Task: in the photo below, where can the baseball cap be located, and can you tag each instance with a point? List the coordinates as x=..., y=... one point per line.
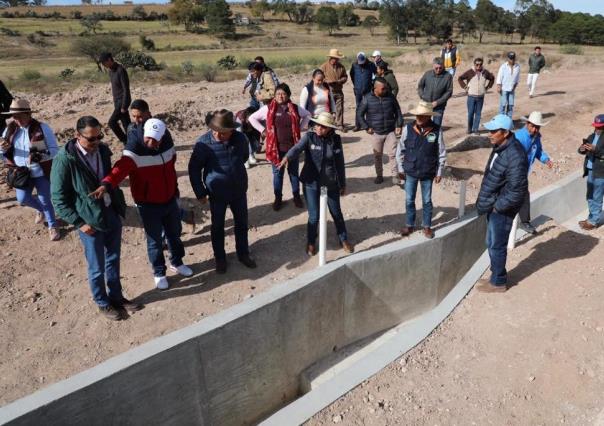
x=511, y=55
x=376, y=53
x=500, y=121
x=598, y=121
x=361, y=57
x=154, y=128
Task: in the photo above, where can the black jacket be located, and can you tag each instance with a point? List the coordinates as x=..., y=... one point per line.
x=5, y=100
x=120, y=87
x=597, y=157
x=382, y=114
x=504, y=185
x=435, y=87
x=317, y=150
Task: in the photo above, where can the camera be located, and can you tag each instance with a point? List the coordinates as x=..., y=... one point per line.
x=35, y=156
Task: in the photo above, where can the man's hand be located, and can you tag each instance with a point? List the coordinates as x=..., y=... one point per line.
x=283, y=162
x=549, y=164
x=263, y=134
x=499, y=88
x=398, y=131
x=203, y=200
x=401, y=175
x=98, y=193
x=588, y=147
x=437, y=179
x=87, y=229
x=370, y=131
x=343, y=191
x=5, y=144
x=243, y=91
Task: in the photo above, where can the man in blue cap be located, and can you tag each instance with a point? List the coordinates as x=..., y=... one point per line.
x=593, y=167
x=501, y=195
x=361, y=73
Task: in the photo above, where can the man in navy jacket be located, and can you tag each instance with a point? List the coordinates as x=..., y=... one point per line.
x=217, y=172
x=501, y=195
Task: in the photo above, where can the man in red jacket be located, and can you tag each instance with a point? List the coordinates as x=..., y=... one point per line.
x=149, y=159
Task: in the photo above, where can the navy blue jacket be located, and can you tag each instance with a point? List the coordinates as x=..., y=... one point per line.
x=316, y=149
x=421, y=153
x=504, y=185
x=362, y=76
x=382, y=114
x=596, y=157
x=218, y=169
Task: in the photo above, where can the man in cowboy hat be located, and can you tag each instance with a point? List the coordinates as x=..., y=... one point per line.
x=501, y=195
x=380, y=115
x=508, y=78
x=593, y=167
x=530, y=139
x=217, y=171
x=5, y=100
x=120, y=88
x=335, y=77
x=421, y=157
x=150, y=163
x=436, y=87
x=27, y=142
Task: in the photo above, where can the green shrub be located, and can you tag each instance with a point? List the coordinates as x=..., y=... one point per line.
x=186, y=67
x=571, y=49
x=67, y=73
x=209, y=72
x=9, y=32
x=228, y=62
x=146, y=42
x=137, y=60
x=30, y=75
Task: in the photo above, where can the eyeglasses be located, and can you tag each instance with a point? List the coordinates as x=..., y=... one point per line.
x=93, y=138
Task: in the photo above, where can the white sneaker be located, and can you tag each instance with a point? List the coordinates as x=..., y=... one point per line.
x=183, y=270
x=252, y=160
x=247, y=164
x=161, y=283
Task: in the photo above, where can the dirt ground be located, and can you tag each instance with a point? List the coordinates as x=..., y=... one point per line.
x=531, y=356
x=50, y=328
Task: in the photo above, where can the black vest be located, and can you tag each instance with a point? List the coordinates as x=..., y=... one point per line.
x=421, y=153
x=453, y=56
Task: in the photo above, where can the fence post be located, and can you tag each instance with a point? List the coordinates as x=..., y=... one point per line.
x=462, y=198
x=322, y=225
x=512, y=238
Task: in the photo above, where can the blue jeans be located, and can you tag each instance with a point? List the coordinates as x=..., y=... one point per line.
x=254, y=103
x=498, y=232
x=506, y=99
x=312, y=193
x=292, y=171
x=411, y=190
x=474, y=111
x=238, y=207
x=40, y=201
x=438, y=119
x=595, y=193
x=102, y=252
x=161, y=219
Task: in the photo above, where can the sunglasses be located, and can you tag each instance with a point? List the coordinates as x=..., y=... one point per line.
x=93, y=138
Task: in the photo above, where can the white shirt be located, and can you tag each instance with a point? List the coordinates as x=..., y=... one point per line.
x=508, y=77
x=259, y=117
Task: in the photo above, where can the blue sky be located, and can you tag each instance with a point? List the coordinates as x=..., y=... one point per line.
x=587, y=6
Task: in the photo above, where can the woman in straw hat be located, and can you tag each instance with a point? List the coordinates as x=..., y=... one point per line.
x=26, y=142
x=324, y=166
x=420, y=158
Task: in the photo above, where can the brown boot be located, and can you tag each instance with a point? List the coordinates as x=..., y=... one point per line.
x=406, y=231
x=428, y=233
x=484, y=286
x=277, y=203
x=311, y=250
x=587, y=226
x=347, y=246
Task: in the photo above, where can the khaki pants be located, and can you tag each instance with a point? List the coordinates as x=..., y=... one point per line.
x=379, y=142
x=339, y=100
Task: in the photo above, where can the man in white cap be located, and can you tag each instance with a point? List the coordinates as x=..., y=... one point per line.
x=361, y=75
x=154, y=186
x=335, y=77
x=376, y=57
x=421, y=157
x=501, y=195
x=530, y=138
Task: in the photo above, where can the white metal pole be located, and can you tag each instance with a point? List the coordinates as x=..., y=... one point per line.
x=462, y=198
x=322, y=225
x=512, y=238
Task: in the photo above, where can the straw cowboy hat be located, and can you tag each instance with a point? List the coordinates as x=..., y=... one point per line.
x=335, y=53
x=325, y=119
x=18, y=106
x=222, y=121
x=423, y=108
x=535, y=118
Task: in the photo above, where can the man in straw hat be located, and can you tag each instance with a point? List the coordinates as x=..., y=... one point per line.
x=27, y=142
x=593, y=167
x=217, y=172
x=380, y=115
x=501, y=195
x=421, y=157
x=150, y=164
x=436, y=87
x=530, y=138
x=335, y=77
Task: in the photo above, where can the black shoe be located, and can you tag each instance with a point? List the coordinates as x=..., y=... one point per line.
x=247, y=261
x=277, y=203
x=129, y=305
x=221, y=266
x=378, y=180
x=530, y=229
x=111, y=313
x=298, y=201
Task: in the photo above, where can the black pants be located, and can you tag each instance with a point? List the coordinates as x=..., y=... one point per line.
x=114, y=125
x=525, y=210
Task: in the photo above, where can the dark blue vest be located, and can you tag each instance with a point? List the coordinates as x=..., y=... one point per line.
x=421, y=153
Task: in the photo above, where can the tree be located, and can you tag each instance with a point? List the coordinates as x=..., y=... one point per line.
x=284, y=7
x=394, y=14
x=92, y=46
x=486, y=16
x=302, y=12
x=327, y=19
x=187, y=12
x=369, y=23
x=347, y=17
x=465, y=19
x=260, y=8
x=13, y=3
x=86, y=1
x=38, y=2
x=138, y=13
x=92, y=23
x=219, y=19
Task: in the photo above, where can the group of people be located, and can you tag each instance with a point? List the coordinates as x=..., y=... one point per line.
x=80, y=184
